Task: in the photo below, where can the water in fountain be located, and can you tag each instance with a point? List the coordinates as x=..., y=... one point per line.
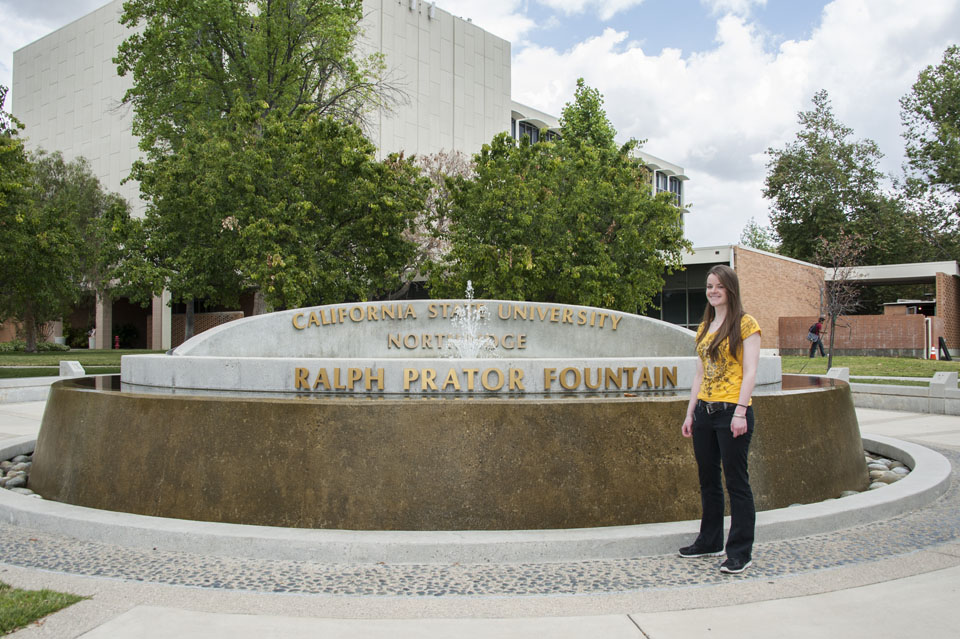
x=470, y=340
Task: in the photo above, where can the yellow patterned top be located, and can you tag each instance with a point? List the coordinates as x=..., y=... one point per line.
x=722, y=379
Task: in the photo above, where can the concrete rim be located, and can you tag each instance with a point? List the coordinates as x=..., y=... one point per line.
x=928, y=480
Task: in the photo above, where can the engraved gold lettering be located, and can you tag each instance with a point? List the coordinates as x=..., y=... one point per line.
x=656, y=376
x=630, y=370
x=393, y=341
x=522, y=341
x=314, y=321
x=295, y=325
x=301, y=378
x=373, y=313
x=670, y=375
x=410, y=340
x=581, y=318
x=353, y=376
x=644, y=378
x=428, y=379
x=371, y=378
x=568, y=316
x=586, y=378
x=390, y=310
x=358, y=316
x=516, y=379
x=471, y=374
x=451, y=380
x=564, y=376
x=409, y=375
x=426, y=341
x=431, y=311
x=342, y=314
x=445, y=306
x=509, y=342
x=616, y=320
x=485, y=379
x=613, y=378
x=603, y=317
x=542, y=311
x=554, y=314
x=500, y=308
x=409, y=312
x=336, y=380
x=593, y=317
x=549, y=377
x=520, y=312
x=323, y=320
x=322, y=380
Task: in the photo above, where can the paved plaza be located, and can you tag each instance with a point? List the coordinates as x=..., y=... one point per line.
x=897, y=576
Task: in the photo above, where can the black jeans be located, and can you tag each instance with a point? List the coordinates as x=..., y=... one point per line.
x=813, y=348
x=713, y=445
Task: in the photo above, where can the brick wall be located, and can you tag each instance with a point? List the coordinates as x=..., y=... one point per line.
x=948, y=308
x=773, y=286
x=201, y=322
x=896, y=335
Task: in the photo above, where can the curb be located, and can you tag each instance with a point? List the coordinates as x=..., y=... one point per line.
x=930, y=478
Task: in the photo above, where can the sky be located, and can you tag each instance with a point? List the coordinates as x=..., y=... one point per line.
x=709, y=85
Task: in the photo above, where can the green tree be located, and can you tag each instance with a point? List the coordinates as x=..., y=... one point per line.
x=222, y=92
x=759, y=237
x=195, y=62
x=820, y=183
x=60, y=234
x=841, y=291
x=569, y=221
x=930, y=114
x=298, y=208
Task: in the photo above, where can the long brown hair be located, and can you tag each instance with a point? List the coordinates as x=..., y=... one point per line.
x=730, y=329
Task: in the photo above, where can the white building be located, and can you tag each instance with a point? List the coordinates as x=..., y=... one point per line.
x=456, y=77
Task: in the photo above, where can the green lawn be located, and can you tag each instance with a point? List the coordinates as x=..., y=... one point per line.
x=84, y=356
x=872, y=366
x=20, y=608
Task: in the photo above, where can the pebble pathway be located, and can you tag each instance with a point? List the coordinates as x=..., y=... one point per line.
x=935, y=524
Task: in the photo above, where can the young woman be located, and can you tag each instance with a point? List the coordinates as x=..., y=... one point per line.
x=720, y=420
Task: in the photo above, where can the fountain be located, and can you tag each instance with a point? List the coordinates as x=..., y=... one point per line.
x=353, y=416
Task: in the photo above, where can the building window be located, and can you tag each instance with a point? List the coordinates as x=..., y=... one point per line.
x=513, y=128
x=661, y=182
x=676, y=187
x=530, y=130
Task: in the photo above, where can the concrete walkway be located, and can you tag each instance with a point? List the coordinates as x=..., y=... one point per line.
x=912, y=593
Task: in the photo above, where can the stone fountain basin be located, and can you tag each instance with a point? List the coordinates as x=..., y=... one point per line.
x=422, y=462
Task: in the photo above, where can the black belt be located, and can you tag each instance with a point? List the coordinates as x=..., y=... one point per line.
x=713, y=407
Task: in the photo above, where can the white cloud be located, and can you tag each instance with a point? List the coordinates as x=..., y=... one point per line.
x=504, y=18
x=735, y=7
x=605, y=9
x=716, y=112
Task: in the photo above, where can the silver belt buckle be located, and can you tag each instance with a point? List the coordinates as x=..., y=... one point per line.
x=713, y=407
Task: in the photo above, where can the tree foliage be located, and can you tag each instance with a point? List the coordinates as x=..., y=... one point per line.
x=298, y=208
x=256, y=170
x=197, y=61
x=759, y=237
x=821, y=183
x=60, y=233
x=930, y=114
x=569, y=221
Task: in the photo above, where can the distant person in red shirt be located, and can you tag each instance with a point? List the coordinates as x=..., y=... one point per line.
x=815, y=335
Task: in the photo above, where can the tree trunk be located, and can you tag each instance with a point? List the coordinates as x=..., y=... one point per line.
x=833, y=326
x=188, y=321
x=30, y=330
x=259, y=304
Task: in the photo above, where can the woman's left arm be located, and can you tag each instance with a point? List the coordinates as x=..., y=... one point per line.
x=751, y=360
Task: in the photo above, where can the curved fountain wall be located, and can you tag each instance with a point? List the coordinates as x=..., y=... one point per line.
x=219, y=432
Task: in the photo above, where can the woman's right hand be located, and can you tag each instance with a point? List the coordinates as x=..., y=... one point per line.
x=687, y=428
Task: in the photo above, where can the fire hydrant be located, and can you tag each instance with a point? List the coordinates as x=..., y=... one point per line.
x=116, y=342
